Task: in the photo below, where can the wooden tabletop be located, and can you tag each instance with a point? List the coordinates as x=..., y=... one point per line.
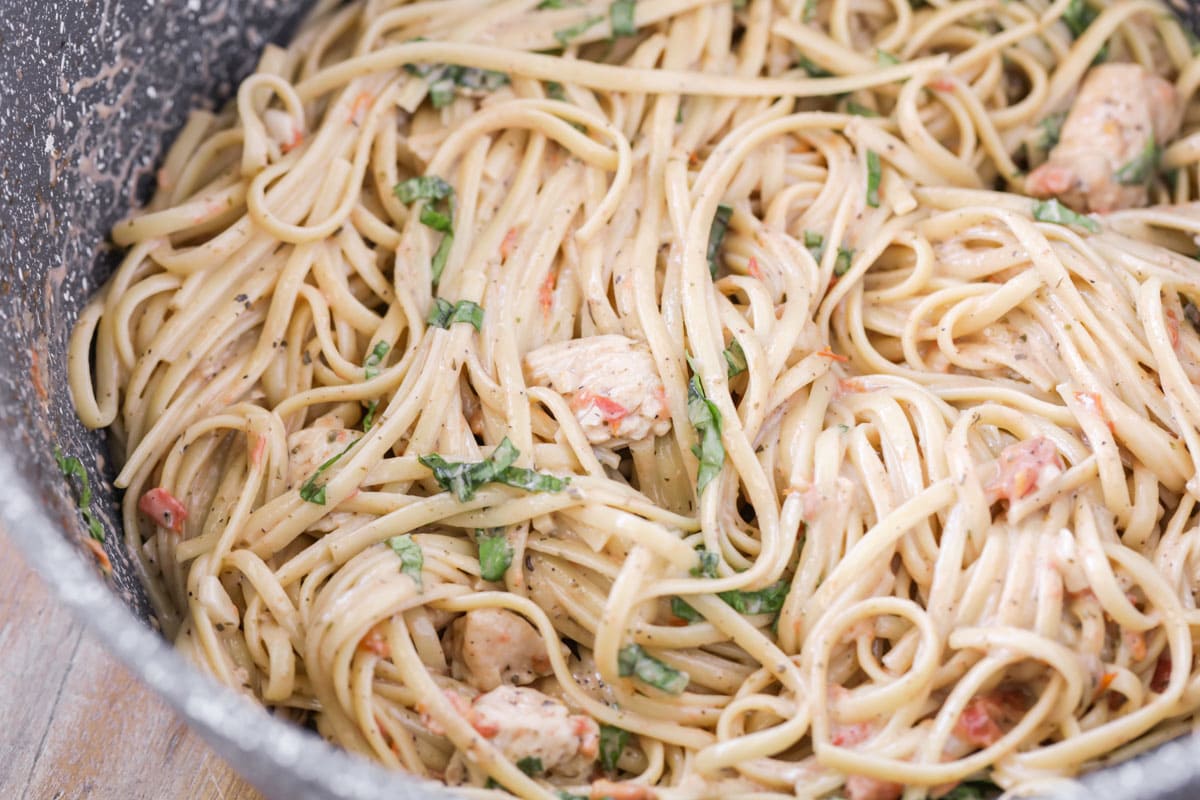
x=75, y=724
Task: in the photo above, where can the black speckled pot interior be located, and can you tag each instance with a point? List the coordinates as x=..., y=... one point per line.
x=90, y=93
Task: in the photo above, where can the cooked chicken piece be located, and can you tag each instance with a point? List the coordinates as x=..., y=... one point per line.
x=491, y=647
x=1023, y=467
x=1107, y=152
x=524, y=723
x=860, y=787
x=308, y=449
x=611, y=383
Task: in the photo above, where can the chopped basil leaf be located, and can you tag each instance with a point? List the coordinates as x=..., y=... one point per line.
x=874, y=173
x=739, y=4
x=563, y=794
x=633, y=660
x=841, y=264
x=709, y=561
x=369, y=417
x=706, y=419
x=565, y=36
x=1078, y=16
x=426, y=187
x=375, y=358
x=1054, y=211
x=764, y=601
x=554, y=90
x=465, y=478
x=810, y=10
x=621, y=14
x=813, y=70
x=435, y=219
x=1141, y=168
x=716, y=235
x=444, y=313
x=681, y=609
x=495, y=555
x=438, y=264
x=860, y=110
x=412, y=560
x=309, y=491
x=531, y=765
x=1052, y=129
x=446, y=79
x=973, y=790
x=612, y=744
x=815, y=243
x=885, y=59
x=735, y=358
x=545, y=4
x=72, y=467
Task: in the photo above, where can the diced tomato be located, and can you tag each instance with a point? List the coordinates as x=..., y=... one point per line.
x=850, y=734
x=101, y=556
x=610, y=410
x=1162, y=673
x=1105, y=681
x=360, y=105
x=260, y=447
x=860, y=787
x=984, y=720
x=753, y=268
x=1173, y=327
x=1094, y=403
x=1022, y=466
x=375, y=642
x=827, y=353
x=296, y=140
x=546, y=292
x=941, y=85
x=510, y=241
x=161, y=506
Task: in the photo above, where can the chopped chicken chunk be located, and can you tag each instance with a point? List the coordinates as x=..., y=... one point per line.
x=1023, y=467
x=611, y=384
x=308, y=449
x=491, y=647
x=1106, y=154
x=861, y=787
x=524, y=723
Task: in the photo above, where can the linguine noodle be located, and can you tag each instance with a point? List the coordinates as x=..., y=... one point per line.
x=721, y=347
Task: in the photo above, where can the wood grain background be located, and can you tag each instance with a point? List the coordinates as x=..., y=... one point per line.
x=75, y=724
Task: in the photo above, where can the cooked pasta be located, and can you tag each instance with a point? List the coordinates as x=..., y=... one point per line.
x=680, y=398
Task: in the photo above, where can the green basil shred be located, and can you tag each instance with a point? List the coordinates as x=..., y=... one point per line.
x=763, y=601
x=612, y=744
x=565, y=35
x=309, y=491
x=621, y=15
x=1141, y=167
x=814, y=70
x=874, y=173
x=707, y=566
x=434, y=190
x=72, y=467
x=465, y=478
x=716, y=236
x=1056, y=212
x=531, y=766
x=444, y=313
x=735, y=358
x=685, y=612
x=1051, y=129
x=445, y=80
x=412, y=560
x=370, y=370
x=495, y=555
x=706, y=419
x=858, y=109
x=633, y=661
x=841, y=265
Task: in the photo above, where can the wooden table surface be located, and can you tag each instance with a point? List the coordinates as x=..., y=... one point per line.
x=75, y=724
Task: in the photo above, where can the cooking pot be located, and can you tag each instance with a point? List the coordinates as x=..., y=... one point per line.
x=90, y=94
